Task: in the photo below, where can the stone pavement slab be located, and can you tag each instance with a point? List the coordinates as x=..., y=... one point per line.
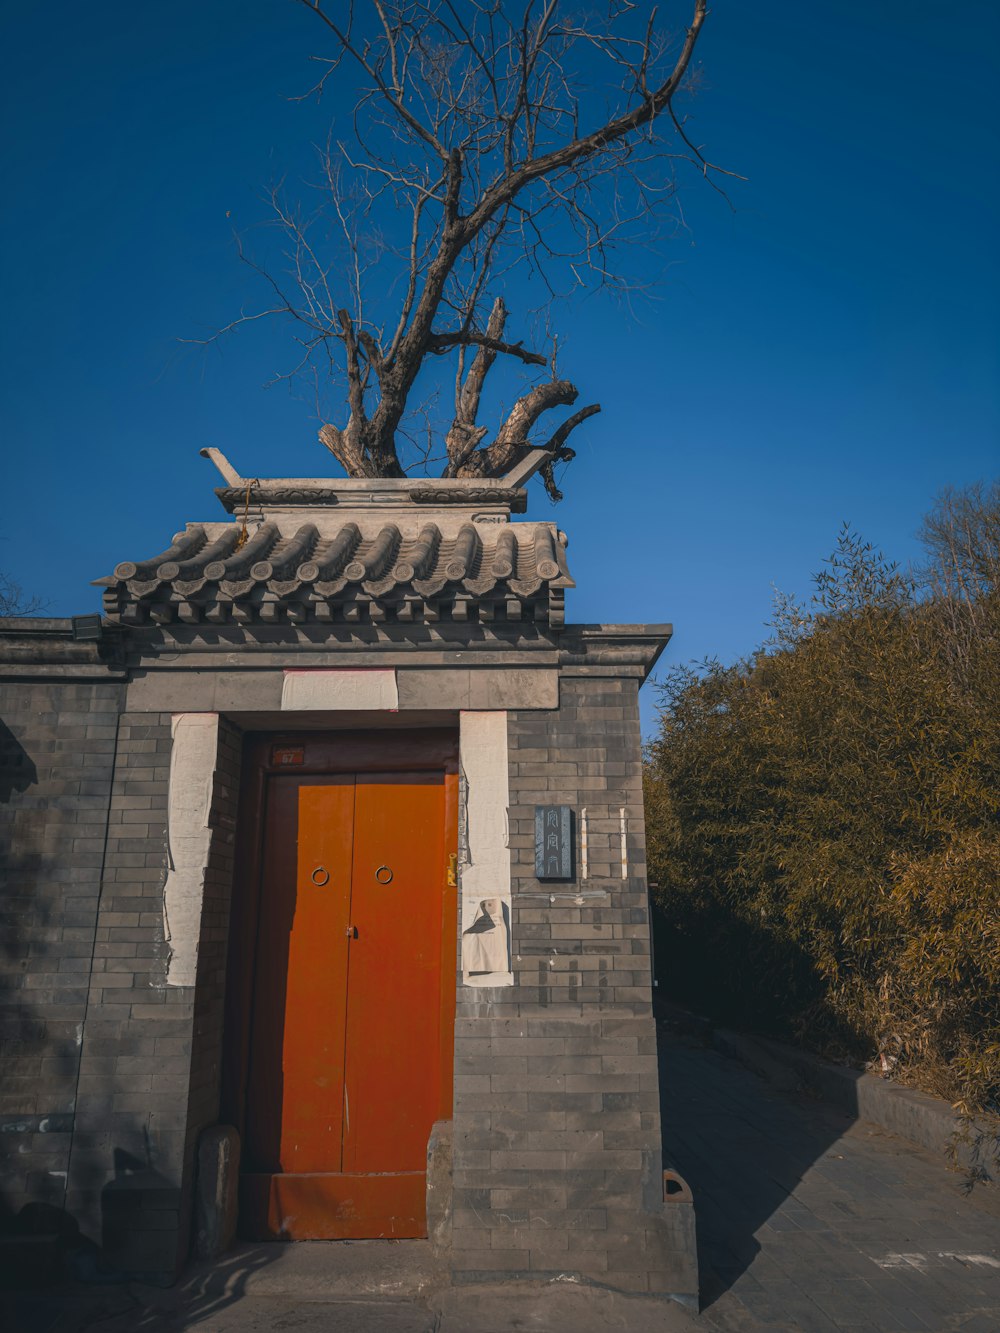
x=555, y=1307
x=809, y=1222
x=545, y=1308
x=347, y=1286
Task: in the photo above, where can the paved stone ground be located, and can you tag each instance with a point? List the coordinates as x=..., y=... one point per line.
x=346, y=1287
x=809, y=1222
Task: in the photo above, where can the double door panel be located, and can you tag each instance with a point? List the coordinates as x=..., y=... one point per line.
x=345, y=1071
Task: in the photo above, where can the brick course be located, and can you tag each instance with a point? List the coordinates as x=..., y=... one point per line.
x=56, y=757
x=151, y=1052
x=557, y=1132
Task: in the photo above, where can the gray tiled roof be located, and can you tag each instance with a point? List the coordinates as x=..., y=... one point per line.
x=294, y=572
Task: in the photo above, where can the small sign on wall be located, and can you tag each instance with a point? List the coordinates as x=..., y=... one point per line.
x=285, y=756
x=553, y=842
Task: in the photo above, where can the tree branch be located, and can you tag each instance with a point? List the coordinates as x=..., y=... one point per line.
x=392, y=96
x=444, y=342
x=465, y=436
x=561, y=453
x=504, y=190
x=469, y=122
x=511, y=439
x=562, y=434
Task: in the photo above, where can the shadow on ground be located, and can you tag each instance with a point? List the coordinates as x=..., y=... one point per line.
x=72, y=1306
x=742, y=1160
x=350, y=1286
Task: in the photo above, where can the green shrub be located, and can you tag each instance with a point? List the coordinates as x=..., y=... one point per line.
x=823, y=816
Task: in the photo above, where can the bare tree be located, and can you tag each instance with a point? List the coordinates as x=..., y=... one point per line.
x=14, y=601
x=961, y=535
x=497, y=133
x=961, y=577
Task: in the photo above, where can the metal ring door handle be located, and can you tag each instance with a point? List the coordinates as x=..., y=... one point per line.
x=383, y=875
x=320, y=883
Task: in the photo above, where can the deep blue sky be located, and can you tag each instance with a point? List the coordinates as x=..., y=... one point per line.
x=825, y=352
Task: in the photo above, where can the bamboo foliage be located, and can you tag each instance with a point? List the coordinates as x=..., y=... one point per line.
x=823, y=816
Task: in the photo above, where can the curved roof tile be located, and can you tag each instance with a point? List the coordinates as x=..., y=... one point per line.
x=485, y=569
x=185, y=543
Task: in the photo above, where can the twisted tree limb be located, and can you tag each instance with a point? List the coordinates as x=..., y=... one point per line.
x=465, y=436
x=560, y=451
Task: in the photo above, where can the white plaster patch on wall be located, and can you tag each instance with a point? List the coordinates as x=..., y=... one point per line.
x=192, y=771
x=485, y=879
x=305, y=690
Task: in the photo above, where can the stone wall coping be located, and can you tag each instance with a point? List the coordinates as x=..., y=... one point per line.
x=270, y=494
x=355, y=485
x=36, y=626
x=44, y=646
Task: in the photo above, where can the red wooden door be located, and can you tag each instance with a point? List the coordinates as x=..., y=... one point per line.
x=345, y=1056
x=394, y=985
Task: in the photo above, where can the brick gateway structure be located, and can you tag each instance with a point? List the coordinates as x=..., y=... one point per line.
x=331, y=831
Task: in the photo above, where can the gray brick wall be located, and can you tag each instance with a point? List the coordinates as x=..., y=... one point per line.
x=150, y=1058
x=557, y=1131
x=57, y=742
x=110, y=1075
x=136, y=1041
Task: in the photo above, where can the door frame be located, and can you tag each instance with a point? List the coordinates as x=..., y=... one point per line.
x=326, y=753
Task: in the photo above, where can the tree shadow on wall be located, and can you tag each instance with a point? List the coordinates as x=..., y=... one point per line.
x=52, y=1275
x=17, y=770
x=33, y=1222
x=34, y=1226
